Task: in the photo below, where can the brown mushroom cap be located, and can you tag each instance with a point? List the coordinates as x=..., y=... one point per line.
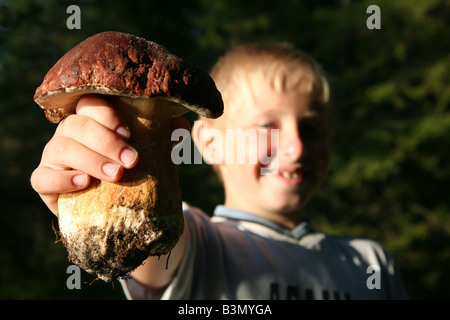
x=116, y=63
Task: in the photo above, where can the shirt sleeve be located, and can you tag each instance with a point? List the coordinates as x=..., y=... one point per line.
x=186, y=283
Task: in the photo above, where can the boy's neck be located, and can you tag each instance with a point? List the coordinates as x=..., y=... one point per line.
x=288, y=220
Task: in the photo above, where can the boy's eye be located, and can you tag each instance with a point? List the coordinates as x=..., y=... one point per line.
x=266, y=125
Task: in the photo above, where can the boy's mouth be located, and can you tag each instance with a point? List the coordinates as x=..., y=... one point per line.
x=292, y=175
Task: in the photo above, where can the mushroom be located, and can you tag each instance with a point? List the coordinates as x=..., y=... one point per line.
x=110, y=228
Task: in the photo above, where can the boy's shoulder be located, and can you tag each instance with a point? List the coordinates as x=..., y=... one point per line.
x=364, y=248
x=340, y=240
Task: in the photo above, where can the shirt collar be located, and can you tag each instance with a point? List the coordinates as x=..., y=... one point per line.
x=299, y=231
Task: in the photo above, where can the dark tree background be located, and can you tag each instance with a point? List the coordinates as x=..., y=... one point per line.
x=390, y=87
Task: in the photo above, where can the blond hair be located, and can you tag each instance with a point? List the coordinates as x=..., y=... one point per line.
x=283, y=67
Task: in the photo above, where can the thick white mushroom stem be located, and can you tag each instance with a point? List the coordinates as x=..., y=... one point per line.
x=111, y=228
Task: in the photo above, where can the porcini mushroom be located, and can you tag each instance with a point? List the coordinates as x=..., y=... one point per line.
x=110, y=228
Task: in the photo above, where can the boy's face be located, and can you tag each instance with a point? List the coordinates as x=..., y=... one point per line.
x=299, y=158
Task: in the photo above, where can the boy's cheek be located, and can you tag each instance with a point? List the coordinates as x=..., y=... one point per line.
x=268, y=142
x=267, y=152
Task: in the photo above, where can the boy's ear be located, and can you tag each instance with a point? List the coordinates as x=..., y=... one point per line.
x=209, y=141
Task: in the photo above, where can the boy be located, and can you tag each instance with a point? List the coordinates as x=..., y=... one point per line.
x=257, y=245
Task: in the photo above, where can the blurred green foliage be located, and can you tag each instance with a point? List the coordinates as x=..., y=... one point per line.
x=390, y=89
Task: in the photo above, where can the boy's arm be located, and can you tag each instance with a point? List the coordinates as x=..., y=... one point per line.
x=93, y=143
x=157, y=273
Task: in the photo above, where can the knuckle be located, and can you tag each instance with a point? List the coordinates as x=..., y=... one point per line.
x=81, y=124
x=110, y=141
x=42, y=180
x=73, y=123
x=57, y=147
x=109, y=118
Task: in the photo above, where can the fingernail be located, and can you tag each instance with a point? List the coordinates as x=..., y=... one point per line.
x=110, y=169
x=123, y=132
x=128, y=156
x=79, y=180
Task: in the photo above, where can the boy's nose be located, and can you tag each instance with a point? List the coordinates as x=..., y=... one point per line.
x=292, y=146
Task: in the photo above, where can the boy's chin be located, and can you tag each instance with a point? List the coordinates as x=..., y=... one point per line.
x=298, y=201
x=289, y=206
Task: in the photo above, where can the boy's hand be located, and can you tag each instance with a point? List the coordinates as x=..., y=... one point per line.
x=92, y=142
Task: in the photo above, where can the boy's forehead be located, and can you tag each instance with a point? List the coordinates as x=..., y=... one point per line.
x=248, y=89
x=279, y=76
x=260, y=100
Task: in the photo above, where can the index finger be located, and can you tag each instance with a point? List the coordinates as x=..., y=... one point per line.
x=101, y=110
